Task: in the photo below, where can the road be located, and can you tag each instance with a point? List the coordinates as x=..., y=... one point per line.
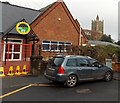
x=40, y=89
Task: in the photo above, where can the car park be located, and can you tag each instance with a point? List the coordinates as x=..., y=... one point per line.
x=71, y=69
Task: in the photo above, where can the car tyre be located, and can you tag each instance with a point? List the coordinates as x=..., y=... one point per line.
x=71, y=81
x=108, y=76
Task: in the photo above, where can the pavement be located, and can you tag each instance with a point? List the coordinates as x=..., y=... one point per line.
x=14, y=81
x=116, y=76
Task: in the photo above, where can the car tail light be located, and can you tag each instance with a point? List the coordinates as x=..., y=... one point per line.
x=61, y=70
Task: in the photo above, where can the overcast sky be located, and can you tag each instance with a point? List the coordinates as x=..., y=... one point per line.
x=84, y=11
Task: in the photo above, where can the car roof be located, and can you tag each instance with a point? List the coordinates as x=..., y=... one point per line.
x=73, y=56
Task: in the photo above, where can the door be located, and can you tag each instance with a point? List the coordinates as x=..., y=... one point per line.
x=84, y=70
x=97, y=69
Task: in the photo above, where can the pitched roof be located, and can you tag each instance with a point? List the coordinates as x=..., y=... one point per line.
x=51, y=7
x=45, y=8
x=12, y=14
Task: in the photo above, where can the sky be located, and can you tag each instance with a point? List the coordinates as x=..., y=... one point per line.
x=85, y=11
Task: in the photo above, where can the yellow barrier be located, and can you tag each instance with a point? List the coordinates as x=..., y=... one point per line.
x=18, y=71
x=10, y=72
x=2, y=72
x=24, y=70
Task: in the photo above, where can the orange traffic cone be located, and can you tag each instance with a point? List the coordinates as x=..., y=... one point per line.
x=2, y=73
x=18, y=71
x=10, y=72
x=24, y=70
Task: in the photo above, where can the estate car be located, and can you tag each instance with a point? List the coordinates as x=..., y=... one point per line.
x=71, y=69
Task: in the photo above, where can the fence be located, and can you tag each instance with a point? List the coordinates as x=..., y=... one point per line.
x=14, y=54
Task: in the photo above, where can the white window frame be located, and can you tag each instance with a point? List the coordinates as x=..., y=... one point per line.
x=12, y=53
x=58, y=44
x=46, y=43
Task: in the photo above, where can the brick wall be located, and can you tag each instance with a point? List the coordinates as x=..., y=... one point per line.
x=51, y=28
x=116, y=66
x=56, y=26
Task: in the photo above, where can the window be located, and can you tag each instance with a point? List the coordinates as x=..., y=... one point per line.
x=56, y=61
x=12, y=50
x=61, y=46
x=68, y=46
x=55, y=46
x=82, y=62
x=94, y=63
x=46, y=45
x=72, y=62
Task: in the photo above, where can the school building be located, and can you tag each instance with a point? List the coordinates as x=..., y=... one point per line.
x=52, y=29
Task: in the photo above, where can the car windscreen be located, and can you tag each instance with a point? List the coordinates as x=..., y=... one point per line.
x=56, y=61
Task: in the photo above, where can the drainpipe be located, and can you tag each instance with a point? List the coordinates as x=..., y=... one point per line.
x=6, y=41
x=33, y=47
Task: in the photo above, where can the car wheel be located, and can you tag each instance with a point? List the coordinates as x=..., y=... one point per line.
x=71, y=81
x=108, y=76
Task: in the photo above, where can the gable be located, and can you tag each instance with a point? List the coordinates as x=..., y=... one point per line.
x=56, y=25
x=50, y=9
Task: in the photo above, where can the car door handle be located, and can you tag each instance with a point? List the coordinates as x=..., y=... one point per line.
x=93, y=69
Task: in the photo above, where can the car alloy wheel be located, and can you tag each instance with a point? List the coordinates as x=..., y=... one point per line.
x=108, y=76
x=71, y=81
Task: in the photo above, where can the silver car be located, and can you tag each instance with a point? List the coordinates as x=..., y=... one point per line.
x=71, y=69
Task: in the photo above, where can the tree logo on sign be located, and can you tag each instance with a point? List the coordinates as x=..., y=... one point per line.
x=23, y=28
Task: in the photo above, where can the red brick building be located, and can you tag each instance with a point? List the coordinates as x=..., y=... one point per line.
x=55, y=27
x=16, y=48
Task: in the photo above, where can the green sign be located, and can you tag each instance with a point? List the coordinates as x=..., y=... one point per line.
x=23, y=28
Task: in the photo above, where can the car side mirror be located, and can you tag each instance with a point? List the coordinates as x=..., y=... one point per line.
x=99, y=66
x=93, y=65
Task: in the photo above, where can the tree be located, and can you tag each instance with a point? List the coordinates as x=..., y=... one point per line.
x=106, y=38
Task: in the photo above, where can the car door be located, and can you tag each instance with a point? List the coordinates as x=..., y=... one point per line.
x=84, y=70
x=97, y=70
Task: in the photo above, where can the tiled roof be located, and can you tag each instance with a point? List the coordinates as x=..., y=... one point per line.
x=10, y=14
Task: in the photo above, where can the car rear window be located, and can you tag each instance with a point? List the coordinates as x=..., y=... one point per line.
x=56, y=61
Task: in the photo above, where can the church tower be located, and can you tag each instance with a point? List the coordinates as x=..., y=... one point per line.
x=97, y=28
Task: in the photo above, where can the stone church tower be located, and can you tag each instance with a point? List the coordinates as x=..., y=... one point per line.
x=97, y=28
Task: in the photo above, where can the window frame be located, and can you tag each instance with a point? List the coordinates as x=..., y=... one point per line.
x=11, y=41
x=71, y=65
x=57, y=43
x=87, y=63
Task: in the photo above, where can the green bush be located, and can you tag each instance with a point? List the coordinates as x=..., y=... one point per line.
x=98, y=52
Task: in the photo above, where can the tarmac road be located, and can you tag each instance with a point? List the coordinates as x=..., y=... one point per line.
x=40, y=89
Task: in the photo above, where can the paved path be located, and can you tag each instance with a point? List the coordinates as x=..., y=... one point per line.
x=25, y=80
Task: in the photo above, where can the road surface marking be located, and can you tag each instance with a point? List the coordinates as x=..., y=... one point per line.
x=20, y=89
x=45, y=85
x=83, y=91
x=19, y=85
x=15, y=91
